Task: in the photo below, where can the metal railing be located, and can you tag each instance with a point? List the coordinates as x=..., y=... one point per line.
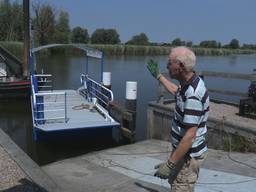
x=44, y=81
x=96, y=90
x=246, y=77
x=48, y=111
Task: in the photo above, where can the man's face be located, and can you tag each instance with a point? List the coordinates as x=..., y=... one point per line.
x=173, y=67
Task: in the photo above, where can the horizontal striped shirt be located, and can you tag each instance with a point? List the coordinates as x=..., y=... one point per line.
x=191, y=110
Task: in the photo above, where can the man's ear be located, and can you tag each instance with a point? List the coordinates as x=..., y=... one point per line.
x=182, y=66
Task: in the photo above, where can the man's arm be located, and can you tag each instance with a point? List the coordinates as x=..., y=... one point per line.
x=154, y=70
x=171, y=87
x=164, y=170
x=184, y=145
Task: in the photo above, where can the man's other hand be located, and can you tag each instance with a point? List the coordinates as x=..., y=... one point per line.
x=164, y=170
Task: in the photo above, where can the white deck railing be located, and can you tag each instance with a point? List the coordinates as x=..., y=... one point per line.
x=44, y=82
x=41, y=112
x=97, y=90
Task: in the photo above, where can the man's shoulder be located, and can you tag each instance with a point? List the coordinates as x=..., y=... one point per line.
x=196, y=89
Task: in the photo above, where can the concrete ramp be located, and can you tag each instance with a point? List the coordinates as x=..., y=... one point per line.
x=130, y=168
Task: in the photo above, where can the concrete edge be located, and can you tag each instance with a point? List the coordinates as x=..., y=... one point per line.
x=249, y=129
x=30, y=168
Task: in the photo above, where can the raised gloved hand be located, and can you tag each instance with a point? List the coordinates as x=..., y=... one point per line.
x=164, y=170
x=153, y=68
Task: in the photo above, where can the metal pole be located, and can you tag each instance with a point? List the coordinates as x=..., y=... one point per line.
x=101, y=68
x=66, y=107
x=33, y=46
x=87, y=63
x=26, y=37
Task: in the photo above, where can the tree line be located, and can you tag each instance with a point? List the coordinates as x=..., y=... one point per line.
x=52, y=26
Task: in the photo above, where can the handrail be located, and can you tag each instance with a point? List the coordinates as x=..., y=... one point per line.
x=38, y=103
x=43, y=75
x=97, y=90
x=44, y=81
x=102, y=86
x=241, y=76
x=247, y=77
x=50, y=93
x=43, y=111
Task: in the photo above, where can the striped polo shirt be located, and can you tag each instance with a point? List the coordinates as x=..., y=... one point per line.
x=192, y=108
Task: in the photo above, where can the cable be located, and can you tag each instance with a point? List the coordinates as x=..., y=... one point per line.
x=230, y=146
x=111, y=163
x=81, y=107
x=143, y=153
x=227, y=183
x=114, y=164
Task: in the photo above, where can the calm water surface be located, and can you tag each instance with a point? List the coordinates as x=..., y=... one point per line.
x=15, y=115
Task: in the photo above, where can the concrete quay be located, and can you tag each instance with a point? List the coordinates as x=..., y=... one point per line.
x=18, y=172
x=130, y=168
x=124, y=168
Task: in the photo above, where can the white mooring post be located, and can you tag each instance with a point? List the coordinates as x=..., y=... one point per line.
x=131, y=102
x=107, y=79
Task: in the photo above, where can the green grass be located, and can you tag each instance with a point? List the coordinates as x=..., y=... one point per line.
x=116, y=50
x=239, y=143
x=16, y=48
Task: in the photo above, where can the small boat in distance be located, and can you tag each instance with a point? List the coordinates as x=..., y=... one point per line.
x=70, y=114
x=12, y=83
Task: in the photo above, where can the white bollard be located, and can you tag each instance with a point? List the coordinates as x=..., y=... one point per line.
x=131, y=106
x=107, y=79
x=131, y=90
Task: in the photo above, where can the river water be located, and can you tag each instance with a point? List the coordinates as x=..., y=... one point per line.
x=15, y=115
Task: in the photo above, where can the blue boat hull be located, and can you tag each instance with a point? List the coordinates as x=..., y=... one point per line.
x=95, y=133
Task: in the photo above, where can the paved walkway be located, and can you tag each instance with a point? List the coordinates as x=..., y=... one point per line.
x=130, y=168
x=18, y=172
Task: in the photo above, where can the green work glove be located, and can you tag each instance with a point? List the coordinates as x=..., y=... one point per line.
x=153, y=68
x=164, y=170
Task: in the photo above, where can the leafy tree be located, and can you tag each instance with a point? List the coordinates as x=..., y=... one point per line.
x=79, y=35
x=234, y=44
x=43, y=22
x=11, y=24
x=209, y=44
x=140, y=39
x=105, y=36
x=248, y=46
x=176, y=42
x=62, y=29
x=189, y=44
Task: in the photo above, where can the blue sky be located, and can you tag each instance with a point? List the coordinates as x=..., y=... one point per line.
x=164, y=20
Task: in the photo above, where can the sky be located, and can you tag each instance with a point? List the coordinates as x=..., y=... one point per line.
x=165, y=20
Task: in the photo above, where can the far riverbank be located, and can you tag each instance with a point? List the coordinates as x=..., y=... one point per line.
x=130, y=50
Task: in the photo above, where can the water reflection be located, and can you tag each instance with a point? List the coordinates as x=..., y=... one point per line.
x=15, y=115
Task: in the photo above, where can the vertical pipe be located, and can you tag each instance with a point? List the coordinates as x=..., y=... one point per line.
x=65, y=107
x=130, y=104
x=26, y=37
x=31, y=65
x=87, y=63
x=33, y=54
x=101, y=67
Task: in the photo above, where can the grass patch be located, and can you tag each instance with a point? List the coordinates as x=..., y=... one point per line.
x=14, y=47
x=239, y=144
x=134, y=50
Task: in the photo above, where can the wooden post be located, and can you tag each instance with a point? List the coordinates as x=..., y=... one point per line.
x=131, y=105
x=26, y=38
x=161, y=91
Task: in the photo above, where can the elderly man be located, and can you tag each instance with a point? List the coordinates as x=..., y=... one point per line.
x=189, y=121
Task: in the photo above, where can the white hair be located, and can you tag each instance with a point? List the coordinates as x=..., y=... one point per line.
x=185, y=56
